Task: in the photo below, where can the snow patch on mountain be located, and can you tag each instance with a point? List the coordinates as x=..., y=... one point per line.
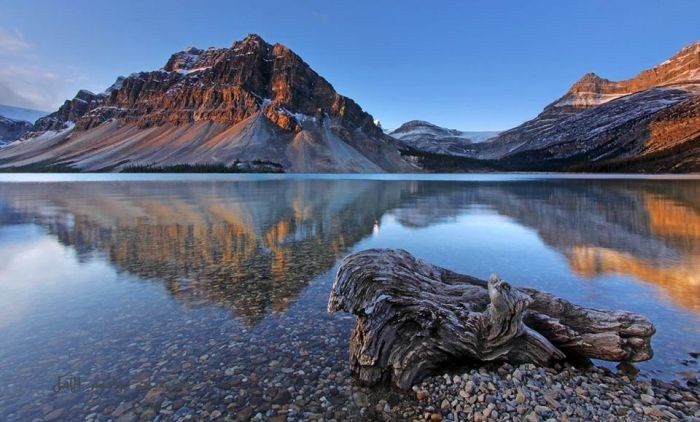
x=586, y=99
x=428, y=137
x=420, y=129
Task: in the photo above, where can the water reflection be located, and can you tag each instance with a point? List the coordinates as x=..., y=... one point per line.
x=602, y=227
x=252, y=246
x=208, y=288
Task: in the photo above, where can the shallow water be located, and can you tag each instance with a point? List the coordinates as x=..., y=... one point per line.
x=212, y=289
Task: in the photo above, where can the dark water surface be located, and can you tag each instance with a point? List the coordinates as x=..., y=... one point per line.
x=208, y=293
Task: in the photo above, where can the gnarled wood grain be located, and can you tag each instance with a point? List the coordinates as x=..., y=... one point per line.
x=414, y=318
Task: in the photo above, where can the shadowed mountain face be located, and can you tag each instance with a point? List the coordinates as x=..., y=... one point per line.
x=11, y=129
x=649, y=123
x=253, y=247
x=21, y=113
x=252, y=101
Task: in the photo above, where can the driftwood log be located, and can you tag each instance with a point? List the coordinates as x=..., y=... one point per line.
x=414, y=318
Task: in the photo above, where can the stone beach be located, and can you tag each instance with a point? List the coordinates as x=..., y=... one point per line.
x=531, y=393
x=279, y=391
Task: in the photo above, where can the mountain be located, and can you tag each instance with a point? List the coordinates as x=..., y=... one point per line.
x=20, y=113
x=15, y=122
x=650, y=122
x=428, y=137
x=11, y=129
x=260, y=106
x=250, y=103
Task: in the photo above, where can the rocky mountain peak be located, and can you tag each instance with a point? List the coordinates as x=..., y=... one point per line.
x=591, y=82
x=264, y=93
x=689, y=53
x=252, y=39
x=429, y=137
x=415, y=123
x=219, y=84
x=424, y=128
x=184, y=59
x=599, y=119
x=592, y=90
x=116, y=85
x=682, y=67
x=85, y=95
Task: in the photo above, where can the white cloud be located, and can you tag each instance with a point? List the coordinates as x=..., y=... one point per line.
x=25, y=79
x=29, y=85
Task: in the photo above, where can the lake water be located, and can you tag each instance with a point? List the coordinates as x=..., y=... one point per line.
x=208, y=292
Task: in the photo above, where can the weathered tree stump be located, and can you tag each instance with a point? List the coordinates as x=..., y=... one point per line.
x=414, y=318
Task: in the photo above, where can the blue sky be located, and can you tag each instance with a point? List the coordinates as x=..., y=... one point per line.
x=471, y=65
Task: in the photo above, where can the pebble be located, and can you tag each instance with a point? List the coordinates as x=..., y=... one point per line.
x=122, y=408
x=529, y=393
x=54, y=414
x=218, y=370
x=646, y=398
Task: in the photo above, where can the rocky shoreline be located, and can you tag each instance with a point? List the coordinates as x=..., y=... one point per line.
x=301, y=390
x=531, y=393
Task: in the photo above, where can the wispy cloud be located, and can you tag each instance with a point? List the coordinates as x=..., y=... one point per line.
x=29, y=85
x=13, y=41
x=25, y=79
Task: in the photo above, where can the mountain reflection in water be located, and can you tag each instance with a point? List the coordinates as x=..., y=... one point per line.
x=253, y=246
x=207, y=287
x=250, y=247
x=649, y=230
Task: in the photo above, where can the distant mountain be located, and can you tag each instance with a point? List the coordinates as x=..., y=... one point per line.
x=253, y=102
x=11, y=129
x=428, y=137
x=15, y=122
x=650, y=122
x=20, y=113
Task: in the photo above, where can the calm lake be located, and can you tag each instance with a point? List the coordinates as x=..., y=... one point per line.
x=209, y=291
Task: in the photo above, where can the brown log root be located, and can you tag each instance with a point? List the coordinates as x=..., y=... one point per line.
x=414, y=318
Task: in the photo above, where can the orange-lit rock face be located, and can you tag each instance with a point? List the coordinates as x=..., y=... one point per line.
x=675, y=220
x=673, y=126
x=253, y=249
x=240, y=105
x=283, y=121
x=682, y=67
x=681, y=283
x=225, y=85
x=646, y=123
x=677, y=224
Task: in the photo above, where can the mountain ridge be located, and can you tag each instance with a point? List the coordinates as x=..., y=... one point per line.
x=598, y=119
x=429, y=137
x=15, y=122
x=260, y=102
x=252, y=101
